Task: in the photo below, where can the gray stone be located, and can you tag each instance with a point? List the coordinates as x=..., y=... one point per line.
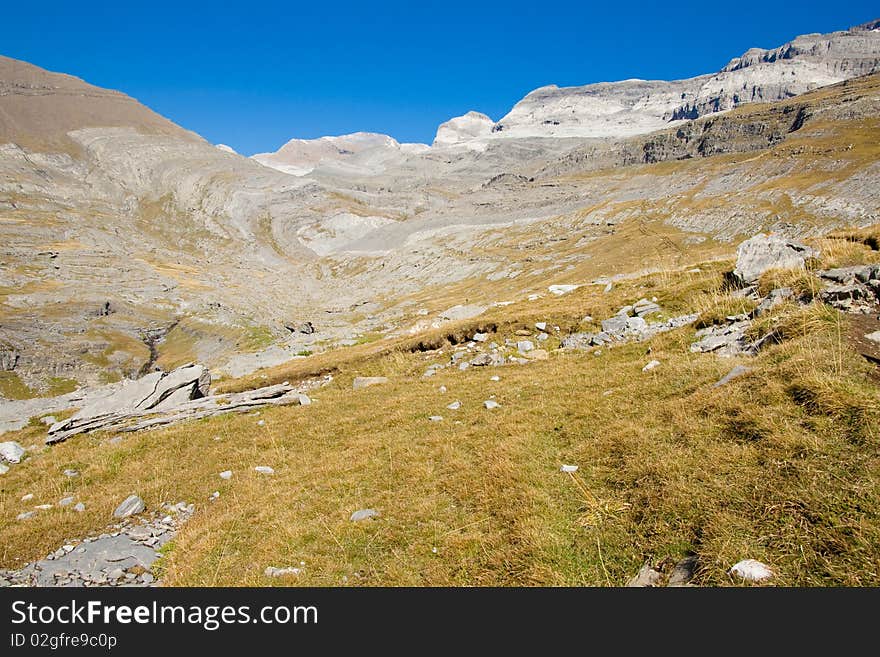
x=541, y=337
x=66, y=501
x=615, y=325
x=11, y=452
x=847, y=275
x=435, y=418
x=737, y=371
x=365, y=381
x=751, y=570
x=131, y=505
x=577, y=341
x=650, y=366
x=363, y=514
x=27, y=515
x=79, y=507
x=491, y=403
x=226, y=474
x=483, y=360
x=683, y=572
x=454, y=406
x=524, y=346
x=873, y=337
x=264, y=469
x=647, y=576
x=764, y=252
x=3, y=468
x=644, y=307
x=636, y=324
x=480, y=337
x=71, y=473
x=541, y=326
x=775, y=298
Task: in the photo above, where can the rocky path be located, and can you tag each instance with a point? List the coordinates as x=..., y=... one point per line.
x=123, y=556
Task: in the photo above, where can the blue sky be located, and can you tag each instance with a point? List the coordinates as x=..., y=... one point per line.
x=255, y=74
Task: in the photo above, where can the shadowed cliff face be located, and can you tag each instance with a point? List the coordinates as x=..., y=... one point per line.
x=130, y=243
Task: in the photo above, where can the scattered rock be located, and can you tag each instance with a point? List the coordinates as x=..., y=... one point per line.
x=775, y=298
x=442, y=389
x=65, y=501
x=363, y=514
x=737, y=371
x=226, y=474
x=562, y=289
x=27, y=515
x=484, y=359
x=751, y=570
x=264, y=469
x=873, y=337
x=541, y=337
x=131, y=505
x=541, y=326
x=11, y=452
x=495, y=378
x=764, y=252
x=480, y=337
x=3, y=468
x=79, y=507
x=435, y=418
x=684, y=571
x=71, y=473
x=27, y=498
x=43, y=507
x=491, y=403
x=365, y=381
x=647, y=576
x=568, y=468
x=454, y=406
x=650, y=366
x=272, y=571
x=644, y=307
x=524, y=346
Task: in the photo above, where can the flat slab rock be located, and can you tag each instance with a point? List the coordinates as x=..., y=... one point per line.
x=168, y=399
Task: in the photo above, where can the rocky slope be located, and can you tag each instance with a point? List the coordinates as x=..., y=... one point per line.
x=632, y=107
x=112, y=265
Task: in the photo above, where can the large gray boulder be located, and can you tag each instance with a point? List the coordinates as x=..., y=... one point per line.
x=11, y=452
x=764, y=252
x=151, y=391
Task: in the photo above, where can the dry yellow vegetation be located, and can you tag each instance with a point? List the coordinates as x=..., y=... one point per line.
x=780, y=465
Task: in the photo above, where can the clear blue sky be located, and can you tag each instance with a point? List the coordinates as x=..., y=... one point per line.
x=255, y=75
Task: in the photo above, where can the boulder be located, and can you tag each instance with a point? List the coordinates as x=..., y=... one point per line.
x=11, y=452
x=737, y=371
x=775, y=298
x=615, y=325
x=751, y=570
x=764, y=252
x=492, y=359
x=131, y=505
x=646, y=576
x=644, y=307
x=524, y=346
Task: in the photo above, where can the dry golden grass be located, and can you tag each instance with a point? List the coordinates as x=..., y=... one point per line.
x=781, y=465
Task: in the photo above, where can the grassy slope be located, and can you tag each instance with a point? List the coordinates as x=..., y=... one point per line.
x=780, y=465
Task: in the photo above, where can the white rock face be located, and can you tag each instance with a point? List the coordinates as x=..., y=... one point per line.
x=225, y=148
x=357, y=153
x=467, y=128
x=339, y=233
x=633, y=107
